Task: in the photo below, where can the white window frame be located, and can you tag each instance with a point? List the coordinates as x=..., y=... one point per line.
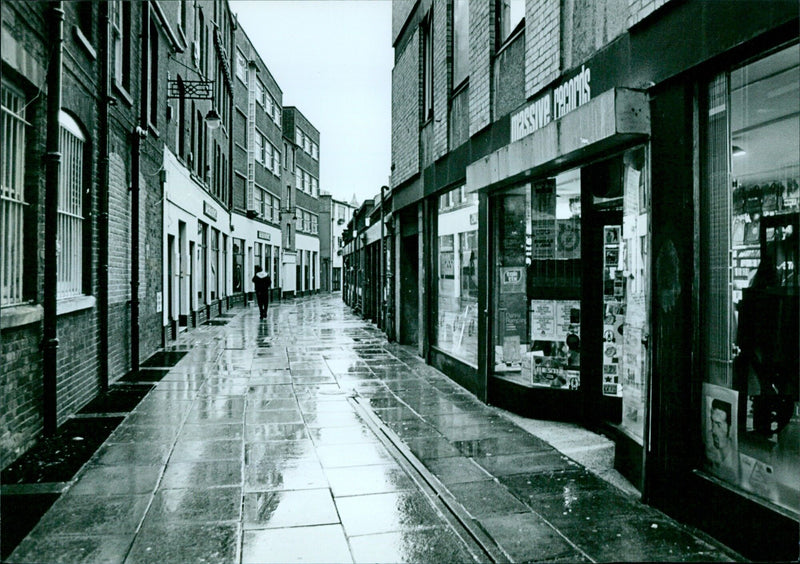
x=269, y=103
x=314, y=151
x=12, y=177
x=259, y=146
x=276, y=161
x=70, y=209
x=298, y=137
x=276, y=114
x=241, y=67
x=267, y=154
x=258, y=200
x=260, y=91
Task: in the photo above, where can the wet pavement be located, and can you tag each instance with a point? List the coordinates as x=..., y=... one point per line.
x=308, y=438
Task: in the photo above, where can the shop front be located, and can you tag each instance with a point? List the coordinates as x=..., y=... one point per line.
x=568, y=269
x=639, y=275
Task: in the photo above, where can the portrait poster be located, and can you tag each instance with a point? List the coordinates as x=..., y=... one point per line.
x=720, y=413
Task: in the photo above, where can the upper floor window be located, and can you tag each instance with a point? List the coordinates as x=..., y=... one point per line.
x=276, y=115
x=460, y=41
x=509, y=14
x=259, y=147
x=184, y=14
x=70, y=238
x=268, y=103
x=241, y=66
x=12, y=176
x=86, y=20
x=260, y=93
x=314, y=151
x=153, y=62
x=307, y=144
x=427, y=67
x=276, y=161
x=298, y=137
x=121, y=42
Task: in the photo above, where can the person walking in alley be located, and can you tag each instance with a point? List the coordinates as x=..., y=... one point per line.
x=262, y=283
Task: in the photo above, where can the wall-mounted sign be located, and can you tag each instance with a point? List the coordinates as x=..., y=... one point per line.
x=264, y=235
x=554, y=104
x=209, y=211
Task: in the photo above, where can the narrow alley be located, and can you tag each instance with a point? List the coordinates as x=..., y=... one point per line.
x=309, y=438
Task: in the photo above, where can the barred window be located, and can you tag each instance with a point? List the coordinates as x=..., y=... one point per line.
x=70, y=209
x=12, y=173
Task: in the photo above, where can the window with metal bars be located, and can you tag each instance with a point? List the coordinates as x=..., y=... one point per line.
x=12, y=175
x=70, y=209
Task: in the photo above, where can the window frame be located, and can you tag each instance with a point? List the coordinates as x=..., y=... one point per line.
x=13, y=265
x=71, y=209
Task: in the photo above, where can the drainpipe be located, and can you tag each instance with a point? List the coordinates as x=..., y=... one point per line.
x=52, y=172
x=138, y=135
x=382, y=262
x=102, y=219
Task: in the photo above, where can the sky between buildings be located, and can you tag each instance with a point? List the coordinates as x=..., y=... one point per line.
x=333, y=60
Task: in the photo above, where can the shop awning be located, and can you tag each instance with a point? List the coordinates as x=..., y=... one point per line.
x=614, y=118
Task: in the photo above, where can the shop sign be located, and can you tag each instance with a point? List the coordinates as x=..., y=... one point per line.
x=264, y=235
x=209, y=211
x=555, y=104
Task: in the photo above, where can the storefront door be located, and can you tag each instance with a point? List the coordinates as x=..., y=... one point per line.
x=569, y=299
x=617, y=316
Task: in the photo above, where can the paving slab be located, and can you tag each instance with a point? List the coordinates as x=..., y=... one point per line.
x=307, y=437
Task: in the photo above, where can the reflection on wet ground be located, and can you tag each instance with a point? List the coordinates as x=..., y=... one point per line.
x=277, y=441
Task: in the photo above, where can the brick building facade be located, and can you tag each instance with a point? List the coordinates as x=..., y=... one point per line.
x=565, y=169
x=151, y=229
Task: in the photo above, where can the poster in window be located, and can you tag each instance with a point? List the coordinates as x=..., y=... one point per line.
x=543, y=320
x=543, y=239
x=568, y=240
x=720, y=418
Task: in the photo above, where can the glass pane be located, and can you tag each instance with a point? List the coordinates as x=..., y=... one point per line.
x=750, y=417
x=456, y=330
x=629, y=258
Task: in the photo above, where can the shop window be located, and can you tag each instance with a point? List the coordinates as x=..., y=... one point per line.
x=456, y=302
x=276, y=261
x=238, y=265
x=749, y=288
x=213, y=282
x=538, y=283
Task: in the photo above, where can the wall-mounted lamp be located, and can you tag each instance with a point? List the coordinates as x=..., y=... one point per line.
x=212, y=119
x=737, y=151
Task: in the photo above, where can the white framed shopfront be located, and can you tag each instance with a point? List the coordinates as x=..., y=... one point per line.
x=254, y=233
x=196, y=254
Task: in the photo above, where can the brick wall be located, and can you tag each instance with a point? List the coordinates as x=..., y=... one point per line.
x=401, y=10
x=405, y=113
x=20, y=391
x=442, y=39
x=78, y=380
x=640, y=9
x=543, y=44
x=119, y=230
x=481, y=46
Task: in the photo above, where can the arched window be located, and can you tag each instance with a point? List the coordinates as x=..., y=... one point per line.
x=70, y=208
